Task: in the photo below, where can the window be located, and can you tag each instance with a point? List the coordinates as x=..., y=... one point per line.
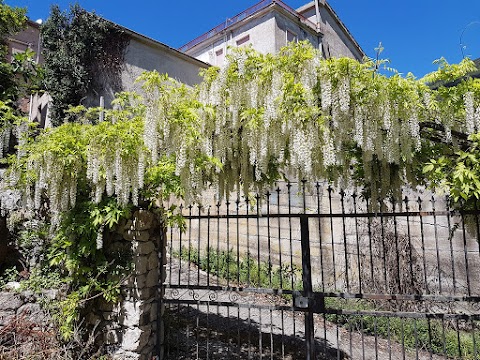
x=291, y=36
x=219, y=57
x=243, y=41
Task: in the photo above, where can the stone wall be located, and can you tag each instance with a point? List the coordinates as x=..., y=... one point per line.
x=25, y=327
x=129, y=328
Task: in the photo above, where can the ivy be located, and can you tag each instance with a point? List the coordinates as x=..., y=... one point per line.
x=83, y=56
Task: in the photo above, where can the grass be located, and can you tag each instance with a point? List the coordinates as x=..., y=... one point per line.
x=245, y=271
x=446, y=338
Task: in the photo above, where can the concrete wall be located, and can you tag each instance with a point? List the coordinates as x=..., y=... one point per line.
x=267, y=31
x=336, y=41
x=284, y=24
x=143, y=54
x=260, y=30
x=267, y=34
x=25, y=39
x=346, y=247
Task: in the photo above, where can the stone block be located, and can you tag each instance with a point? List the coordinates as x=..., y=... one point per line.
x=125, y=355
x=111, y=337
x=145, y=336
x=152, y=278
x=148, y=352
x=128, y=225
x=137, y=235
x=131, y=313
x=51, y=294
x=6, y=316
x=141, y=264
x=139, y=281
x=143, y=220
x=154, y=313
x=146, y=293
x=152, y=262
x=144, y=248
x=10, y=301
x=34, y=313
x=131, y=339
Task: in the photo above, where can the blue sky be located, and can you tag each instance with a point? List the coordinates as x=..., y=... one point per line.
x=413, y=32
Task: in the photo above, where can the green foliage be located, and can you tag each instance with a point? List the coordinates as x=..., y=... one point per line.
x=20, y=76
x=10, y=274
x=243, y=270
x=448, y=73
x=40, y=279
x=90, y=270
x=458, y=172
x=437, y=336
x=12, y=20
x=83, y=56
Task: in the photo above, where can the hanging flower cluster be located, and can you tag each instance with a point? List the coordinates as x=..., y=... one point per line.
x=256, y=120
x=314, y=118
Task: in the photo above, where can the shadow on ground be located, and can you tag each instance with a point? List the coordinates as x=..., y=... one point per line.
x=195, y=334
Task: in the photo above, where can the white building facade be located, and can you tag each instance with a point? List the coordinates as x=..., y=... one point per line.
x=271, y=24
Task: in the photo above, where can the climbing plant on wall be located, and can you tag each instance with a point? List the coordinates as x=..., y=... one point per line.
x=83, y=56
x=259, y=119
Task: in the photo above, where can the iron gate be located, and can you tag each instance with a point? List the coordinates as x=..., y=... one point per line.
x=303, y=272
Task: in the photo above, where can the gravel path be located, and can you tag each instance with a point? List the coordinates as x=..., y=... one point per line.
x=255, y=328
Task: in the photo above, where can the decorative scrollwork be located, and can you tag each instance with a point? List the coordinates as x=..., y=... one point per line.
x=213, y=296
x=195, y=296
x=233, y=296
x=175, y=294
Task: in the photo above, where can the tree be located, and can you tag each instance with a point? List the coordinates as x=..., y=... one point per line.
x=83, y=56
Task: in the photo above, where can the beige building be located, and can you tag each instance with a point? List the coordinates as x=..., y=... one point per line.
x=271, y=24
x=29, y=38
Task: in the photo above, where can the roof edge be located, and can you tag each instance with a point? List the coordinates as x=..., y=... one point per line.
x=329, y=8
x=242, y=16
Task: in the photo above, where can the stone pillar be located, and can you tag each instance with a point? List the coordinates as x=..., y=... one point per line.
x=161, y=293
x=131, y=325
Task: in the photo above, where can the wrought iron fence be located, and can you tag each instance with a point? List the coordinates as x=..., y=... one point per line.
x=304, y=272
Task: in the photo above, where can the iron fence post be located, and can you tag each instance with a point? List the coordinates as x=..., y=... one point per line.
x=307, y=288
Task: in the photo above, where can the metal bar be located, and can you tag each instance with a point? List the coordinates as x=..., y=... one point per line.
x=330, y=190
x=307, y=288
x=357, y=239
x=465, y=252
x=208, y=248
x=397, y=214
x=397, y=250
x=344, y=232
x=439, y=268
x=269, y=240
x=365, y=296
x=424, y=257
x=410, y=250
x=452, y=256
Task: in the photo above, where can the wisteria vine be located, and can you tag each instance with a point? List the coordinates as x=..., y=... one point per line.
x=258, y=119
